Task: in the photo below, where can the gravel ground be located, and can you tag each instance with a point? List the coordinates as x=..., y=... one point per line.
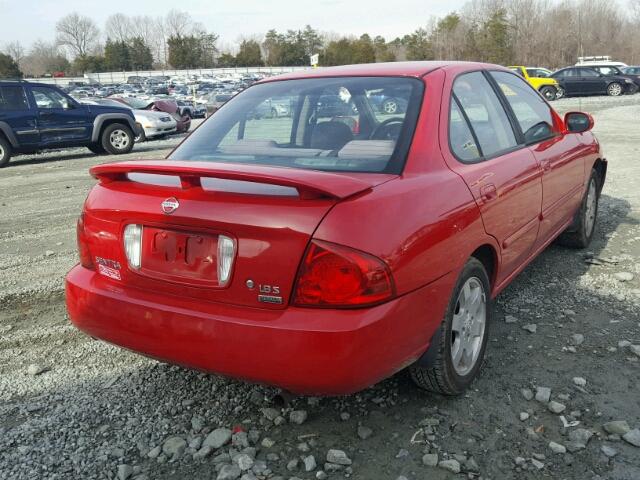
x=562, y=365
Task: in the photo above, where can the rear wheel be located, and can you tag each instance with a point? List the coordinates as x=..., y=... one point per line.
x=461, y=340
x=117, y=139
x=549, y=93
x=580, y=233
x=614, y=89
x=5, y=152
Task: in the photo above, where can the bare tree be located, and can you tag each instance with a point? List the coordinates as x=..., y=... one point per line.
x=119, y=27
x=178, y=23
x=43, y=58
x=16, y=51
x=78, y=33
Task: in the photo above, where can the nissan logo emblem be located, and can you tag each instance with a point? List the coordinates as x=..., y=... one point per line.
x=170, y=205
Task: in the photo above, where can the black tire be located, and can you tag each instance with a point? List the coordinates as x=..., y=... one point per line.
x=560, y=93
x=97, y=148
x=117, y=139
x=549, y=93
x=5, y=151
x=440, y=375
x=614, y=89
x=141, y=136
x=580, y=233
x=274, y=113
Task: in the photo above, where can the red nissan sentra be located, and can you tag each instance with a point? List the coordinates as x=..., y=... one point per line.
x=327, y=247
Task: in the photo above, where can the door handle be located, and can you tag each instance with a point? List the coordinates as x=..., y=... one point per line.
x=546, y=165
x=488, y=192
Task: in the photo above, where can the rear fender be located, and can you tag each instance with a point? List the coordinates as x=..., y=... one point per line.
x=8, y=132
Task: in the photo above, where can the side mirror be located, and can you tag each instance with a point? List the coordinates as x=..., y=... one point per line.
x=578, y=122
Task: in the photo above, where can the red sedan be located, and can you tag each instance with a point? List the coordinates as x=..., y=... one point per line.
x=302, y=252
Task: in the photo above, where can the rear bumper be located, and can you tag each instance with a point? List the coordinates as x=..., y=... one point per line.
x=312, y=351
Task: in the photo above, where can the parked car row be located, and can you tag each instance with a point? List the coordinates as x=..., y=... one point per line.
x=600, y=77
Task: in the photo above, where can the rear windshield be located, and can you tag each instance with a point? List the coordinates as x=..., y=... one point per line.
x=356, y=124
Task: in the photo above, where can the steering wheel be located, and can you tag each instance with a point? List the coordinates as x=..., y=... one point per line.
x=388, y=130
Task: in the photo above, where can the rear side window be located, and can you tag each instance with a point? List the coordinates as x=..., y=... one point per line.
x=587, y=72
x=531, y=111
x=487, y=118
x=462, y=142
x=13, y=98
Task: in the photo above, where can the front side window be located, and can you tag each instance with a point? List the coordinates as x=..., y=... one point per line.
x=359, y=124
x=486, y=115
x=48, y=98
x=608, y=71
x=531, y=111
x=13, y=98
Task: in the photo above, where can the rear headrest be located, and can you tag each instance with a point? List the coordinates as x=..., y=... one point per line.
x=367, y=149
x=330, y=135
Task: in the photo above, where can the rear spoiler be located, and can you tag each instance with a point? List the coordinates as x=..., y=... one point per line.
x=309, y=183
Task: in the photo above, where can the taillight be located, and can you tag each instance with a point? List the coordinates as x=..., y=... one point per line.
x=226, y=252
x=83, y=245
x=133, y=245
x=336, y=276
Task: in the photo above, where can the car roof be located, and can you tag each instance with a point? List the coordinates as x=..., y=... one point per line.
x=25, y=82
x=390, y=69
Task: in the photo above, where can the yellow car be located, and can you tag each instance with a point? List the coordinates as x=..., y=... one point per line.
x=548, y=87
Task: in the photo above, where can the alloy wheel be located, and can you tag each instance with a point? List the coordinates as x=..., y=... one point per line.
x=468, y=326
x=390, y=107
x=615, y=89
x=591, y=208
x=119, y=139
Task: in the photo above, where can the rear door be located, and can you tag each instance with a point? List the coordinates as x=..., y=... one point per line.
x=15, y=111
x=502, y=174
x=570, y=81
x=559, y=154
x=61, y=121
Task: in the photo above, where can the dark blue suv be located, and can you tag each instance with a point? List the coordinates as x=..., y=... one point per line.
x=35, y=116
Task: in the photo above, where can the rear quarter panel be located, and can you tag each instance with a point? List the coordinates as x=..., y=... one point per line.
x=425, y=223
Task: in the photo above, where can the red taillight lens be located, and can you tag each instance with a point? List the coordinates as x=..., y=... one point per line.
x=83, y=244
x=335, y=276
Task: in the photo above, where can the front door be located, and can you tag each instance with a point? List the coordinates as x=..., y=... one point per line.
x=501, y=173
x=60, y=119
x=558, y=154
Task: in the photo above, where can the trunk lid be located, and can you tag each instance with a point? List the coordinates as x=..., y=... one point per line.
x=186, y=209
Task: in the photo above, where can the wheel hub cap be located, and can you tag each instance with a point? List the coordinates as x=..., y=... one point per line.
x=468, y=326
x=119, y=139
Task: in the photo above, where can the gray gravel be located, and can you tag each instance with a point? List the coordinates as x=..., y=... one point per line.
x=73, y=408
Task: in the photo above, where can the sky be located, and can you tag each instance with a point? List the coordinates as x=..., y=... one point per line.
x=30, y=20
